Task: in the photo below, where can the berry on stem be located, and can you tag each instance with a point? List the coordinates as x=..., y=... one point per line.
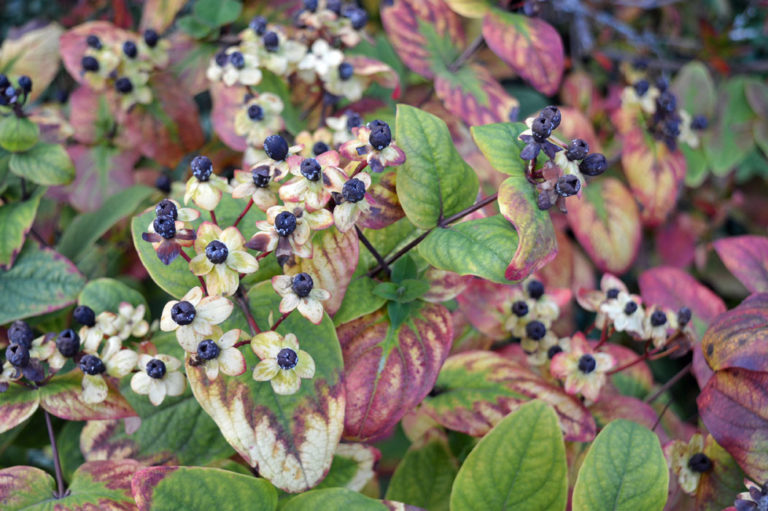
x=68, y=343
x=285, y=223
x=202, y=167
x=156, y=369
x=208, y=350
x=593, y=165
x=17, y=355
x=302, y=284
x=310, y=168
x=84, y=315
x=20, y=333
x=93, y=365
x=183, y=313
x=353, y=190
x=276, y=147
x=165, y=226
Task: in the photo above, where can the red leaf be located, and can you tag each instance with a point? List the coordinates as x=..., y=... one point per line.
x=226, y=103
x=475, y=96
x=739, y=337
x=747, y=258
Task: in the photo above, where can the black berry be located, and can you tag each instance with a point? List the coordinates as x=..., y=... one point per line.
x=90, y=63
x=684, y=316
x=4, y=82
x=630, y=308
x=554, y=350
x=587, y=363
x=310, y=5
x=662, y=83
x=353, y=190
x=130, y=49
x=183, y=313
x=17, y=355
x=20, y=333
x=123, y=85
x=202, y=168
x=156, y=369
x=287, y=358
x=208, y=350
x=255, y=113
x=165, y=227
x=302, y=284
x=354, y=120
x=237, y=60
x=346, y=70
x=577, y=149
x=542, y=129
x=68, y=343
x=93, y=365
x=530, y=151
x=641, y=87
x=163, y=183
x=612, y=293
x=381, y=135
x=334, y=6
x=658, y=318
x=221, y=59
x=271, y=41
x=535, y=289
x=520, y=308
x=167, y=208
x=699, y=123
x=310, y=169
x=285, y=223
x=700, y=463
x=666, y=102
x=593, y=165
x=567, y=185
x=535, y=330
x=357, y=16
x=260, y=176
x=151, y=37
x=552, y=114
x=84, y=315
x=276, y=147
x=25, y=83
x=320, y=148
x=258, y=25
x=216, y=252
x=93, y=41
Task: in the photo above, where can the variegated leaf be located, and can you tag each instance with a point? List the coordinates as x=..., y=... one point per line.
x=739, y=337
x=747, y=258
x=62, y=397
x=471, y=93
x=32, y=50
x=385, y=207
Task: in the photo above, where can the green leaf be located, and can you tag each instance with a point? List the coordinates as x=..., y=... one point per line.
x=425, y=475
x=695, y=89
x=352, y=467
x=336, y=499
x=18, y=405
x=192, y=26
x=216, y=13
x=16, y=220
x=44, y=164
x=39, y=282
x=695, y=165
x=270, y=82
x=107, y=294
x=359, y=300
x=520, y=464
x=406, y=291
x=18, y=134
x=434, y=182
x=86, y=228
x=200, y=488
x=482, y=247
x=624, y=469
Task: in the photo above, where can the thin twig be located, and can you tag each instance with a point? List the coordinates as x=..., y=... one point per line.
x=39, y=238
x=669, y=383
x=213, y=218
x=242, y=301
x=245, y=211
x=62, y=492
x=661, y=414
x=372, y=250
x=282, y=318
x=199, y=277
x=470, y=50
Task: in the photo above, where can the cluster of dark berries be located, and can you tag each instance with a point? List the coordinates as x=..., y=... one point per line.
x=381, y=134
x=165, y=219
x=666, y=122
x=542, y=127
x=14, y=96
x=357, y=16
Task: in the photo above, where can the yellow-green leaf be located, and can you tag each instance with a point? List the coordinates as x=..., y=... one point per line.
x=16, y=220
x=18, y=134
x=44, y=164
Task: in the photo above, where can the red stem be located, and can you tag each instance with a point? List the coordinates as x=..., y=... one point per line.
x=213, y=218
x=603, y=335
x=242, y=343
x=200, y=278
x=245, y=211
x=242, y=300
x=262, y=256
x=282, y=318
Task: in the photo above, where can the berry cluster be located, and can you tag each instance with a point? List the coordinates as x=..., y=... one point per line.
x=14, y=96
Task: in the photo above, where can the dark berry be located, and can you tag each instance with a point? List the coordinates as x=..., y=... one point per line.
x=310, y=169
x=552, y=114
x=554, y=350
x=641, y=87
x=353, y=190
x=17, y=355
x=320, y=148
x=287, y=358
x=535, y=289
x=357, y=16
x=258, y=25
x=310, y=5
x=237, y=60
x=130, y=49
x=163, y=183
x=700, y=463
x=10, y=92
x=612, y=293
x=156, y=369
x=346, y=70
x=93, y=41
x=302, y=284
x=354, y=120
x=221, y=59
x=587, y=363
x=535, y=330
x=381, y=136
x=593, y=165
x=68, y=343
x=167, y=208
x=577, y=149
x=271, y=41
x=666, y=102
x=255, y=113
x=333, y=6
x=4, y=82
x=699, y=123
x=216, y=252
x=544, y=201
x=530, y=151
x=520, y=308
x=542, y=129
x=90, y=63
x=208, y=350
x=276, y=147
x=202, y=167
x=640, y=63
x=285, y=223
x=658, y=318
x=662, y=83
x=123, y=85
x=20, y=333
x=165, y=226
x=183, y=313
x=93, y=365
x=684, y=316
x=151, y=37
x=84, y=315
x=260, y=176
x=25, y=83
x=567, y=185
x=630, y=308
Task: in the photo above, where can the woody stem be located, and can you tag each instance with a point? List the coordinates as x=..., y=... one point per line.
x=245, y=211
x=242, y=301
x=56, y=463
x=372, y=250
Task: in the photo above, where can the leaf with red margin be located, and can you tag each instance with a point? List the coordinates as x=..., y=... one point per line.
x=102, y=485
x=474, y=95
x=200, y=488
x=747, y=258
x=739, y=337
x=385, y=206
x=416, y=26
x=486, y=306
x=334, y=260
x=290, y=439
x=389, y=371
x=614, y=406
x=531, y=46
x=655, y=174
x=375, y=70
x=606, y=222
x=734, y=408
x=352, y=467
x=227, y=101
x=32, y=50
x=579, y=91
x=90, y=115
x=188, y=60
x=444, y=285
x=18, y=405
x=16, y=219
x=159, y=14
x=62, y=398
x=470, y=8
x=575, y=124
x=477, y=389
x=168, y=128
x=72, y=45
x=537, y=244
